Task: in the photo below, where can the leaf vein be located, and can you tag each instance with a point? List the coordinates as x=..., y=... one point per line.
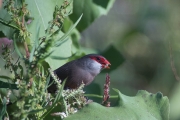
x=40, y=13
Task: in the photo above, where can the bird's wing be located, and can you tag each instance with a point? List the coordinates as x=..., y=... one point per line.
x=62, y=73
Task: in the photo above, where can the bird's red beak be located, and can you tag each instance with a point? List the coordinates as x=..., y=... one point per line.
x=106, y=64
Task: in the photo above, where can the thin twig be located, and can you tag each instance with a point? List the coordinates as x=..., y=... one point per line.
x=172, y=63
x=8, y=24
x=17, y=60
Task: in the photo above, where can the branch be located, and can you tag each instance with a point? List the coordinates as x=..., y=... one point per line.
x=172, y=63
x=8, y=24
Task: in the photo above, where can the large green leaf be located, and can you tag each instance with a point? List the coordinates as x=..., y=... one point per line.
x=143, y=106
x=8, y=85
x=7, y=31
x=63, y=51
x=42, y=11
x=175, y=98
x=109, y=54
x=91, y=10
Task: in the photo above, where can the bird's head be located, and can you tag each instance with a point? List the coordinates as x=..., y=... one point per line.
x=101, y=60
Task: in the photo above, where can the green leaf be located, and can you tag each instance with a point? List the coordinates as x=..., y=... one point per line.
x=17, y=49
x=42, y=13
x=143, y=106
x=91, y=10
x=3, y=108
x=63, y=51
x=7, y=31
x=61, y=42
x=8, y=85
x=62, y=58
x=36, y=44
x=109, y=54
x=58, y=96
x=5, y=77
x=174, y=102
x=102, y=3
x=21, y=69
x=70, y=30
x=8, y=24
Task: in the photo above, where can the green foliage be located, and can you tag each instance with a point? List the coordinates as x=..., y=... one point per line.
x=3, y=109
x=91, y=9
x=44, y=36
x=8, y=85
x=143, y=106
x=30, y=77
x=116, y=62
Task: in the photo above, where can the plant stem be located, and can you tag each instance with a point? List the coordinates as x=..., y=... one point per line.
x=27, y=51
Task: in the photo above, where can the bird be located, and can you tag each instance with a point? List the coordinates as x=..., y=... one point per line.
x=82, y=70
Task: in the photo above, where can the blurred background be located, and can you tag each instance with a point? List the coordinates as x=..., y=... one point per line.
x=142, y=32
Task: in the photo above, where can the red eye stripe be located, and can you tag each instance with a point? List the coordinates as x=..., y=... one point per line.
x=100, y=59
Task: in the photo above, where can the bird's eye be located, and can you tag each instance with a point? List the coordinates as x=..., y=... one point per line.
x=97, y=58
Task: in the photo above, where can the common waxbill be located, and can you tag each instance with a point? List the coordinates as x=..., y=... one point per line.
x=80, y=70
